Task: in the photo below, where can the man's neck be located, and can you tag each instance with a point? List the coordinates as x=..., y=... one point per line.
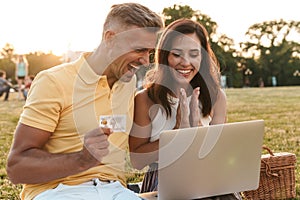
x=96, y=62
x=100, y=65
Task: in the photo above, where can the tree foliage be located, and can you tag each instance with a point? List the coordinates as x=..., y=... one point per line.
x=184, y=11
x=7, y=51
x=272, y=45
x=177, y=12
x=40, y=61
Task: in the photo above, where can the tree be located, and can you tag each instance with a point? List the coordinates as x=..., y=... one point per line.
x=7, y=51
x=271, y=45
x=39, y=61
x=177, y=12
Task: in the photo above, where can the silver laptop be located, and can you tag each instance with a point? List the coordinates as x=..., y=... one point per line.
x=208, y=161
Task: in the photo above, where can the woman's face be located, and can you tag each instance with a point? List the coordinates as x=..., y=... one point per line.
x=185, y=57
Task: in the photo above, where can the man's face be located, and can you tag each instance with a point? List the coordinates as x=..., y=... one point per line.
x=130, y=51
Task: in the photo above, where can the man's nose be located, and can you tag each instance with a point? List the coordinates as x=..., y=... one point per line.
x=145, y=59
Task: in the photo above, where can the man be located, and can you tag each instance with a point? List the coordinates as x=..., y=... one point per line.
x=59, y=150
x=5, y=85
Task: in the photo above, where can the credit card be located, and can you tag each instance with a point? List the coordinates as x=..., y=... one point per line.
x=115, y=122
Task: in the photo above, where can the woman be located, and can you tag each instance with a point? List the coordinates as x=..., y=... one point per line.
x=184, y=92
x=21, y=72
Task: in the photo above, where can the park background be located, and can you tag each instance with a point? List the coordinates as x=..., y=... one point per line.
x=267, y=55
x=261, y=77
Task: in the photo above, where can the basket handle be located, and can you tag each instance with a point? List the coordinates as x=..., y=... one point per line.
x=269, y=150
x=268, y=168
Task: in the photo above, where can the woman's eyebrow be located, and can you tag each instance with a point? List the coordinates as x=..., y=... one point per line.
x=195, y=50
x=175, y=49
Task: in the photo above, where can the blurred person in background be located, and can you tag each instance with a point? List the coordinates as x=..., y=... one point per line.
x=21, y=72
x=5, y=85
x=27, y=85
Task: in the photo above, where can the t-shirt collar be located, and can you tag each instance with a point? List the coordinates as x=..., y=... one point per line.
x=85, y=71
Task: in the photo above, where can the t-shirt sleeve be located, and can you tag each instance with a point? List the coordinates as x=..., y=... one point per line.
x=44, y=103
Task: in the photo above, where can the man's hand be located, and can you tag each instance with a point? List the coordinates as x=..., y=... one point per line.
x=95, y=145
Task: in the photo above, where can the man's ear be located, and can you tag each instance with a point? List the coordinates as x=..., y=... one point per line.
x=109, y=37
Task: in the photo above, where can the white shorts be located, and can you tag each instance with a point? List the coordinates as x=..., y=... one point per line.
x=92, y=190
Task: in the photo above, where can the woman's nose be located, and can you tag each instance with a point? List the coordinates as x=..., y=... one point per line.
x=185, y=61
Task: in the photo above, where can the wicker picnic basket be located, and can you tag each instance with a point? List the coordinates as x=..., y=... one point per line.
x=277, y=177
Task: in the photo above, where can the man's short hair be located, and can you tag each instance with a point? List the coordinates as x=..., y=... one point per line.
x=132, y=14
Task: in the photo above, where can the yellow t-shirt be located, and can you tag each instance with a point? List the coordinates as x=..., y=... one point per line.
x=67, y=100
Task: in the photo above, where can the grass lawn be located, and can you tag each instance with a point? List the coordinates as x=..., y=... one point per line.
x=279, y=107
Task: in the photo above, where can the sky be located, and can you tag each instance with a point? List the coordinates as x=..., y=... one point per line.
x=62, y=25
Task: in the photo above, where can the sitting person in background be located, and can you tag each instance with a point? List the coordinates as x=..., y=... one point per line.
x=184, y=91
x=5, y=85
x=25, y=89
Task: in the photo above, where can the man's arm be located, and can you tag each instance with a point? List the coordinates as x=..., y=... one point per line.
x=29, y=163
x=9, y=83
x=5, y=82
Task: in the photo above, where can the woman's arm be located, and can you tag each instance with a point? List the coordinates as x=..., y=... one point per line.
x=219, y=109
x=26, y=69
x=142, y=151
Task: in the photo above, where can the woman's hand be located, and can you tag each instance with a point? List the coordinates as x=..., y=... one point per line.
x=195, y=109
x=182, y=118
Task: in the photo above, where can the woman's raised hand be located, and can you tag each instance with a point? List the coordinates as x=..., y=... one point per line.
x=195, y=109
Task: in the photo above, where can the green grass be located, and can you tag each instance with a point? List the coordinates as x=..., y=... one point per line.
x=9, y=117
x=279, y=107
